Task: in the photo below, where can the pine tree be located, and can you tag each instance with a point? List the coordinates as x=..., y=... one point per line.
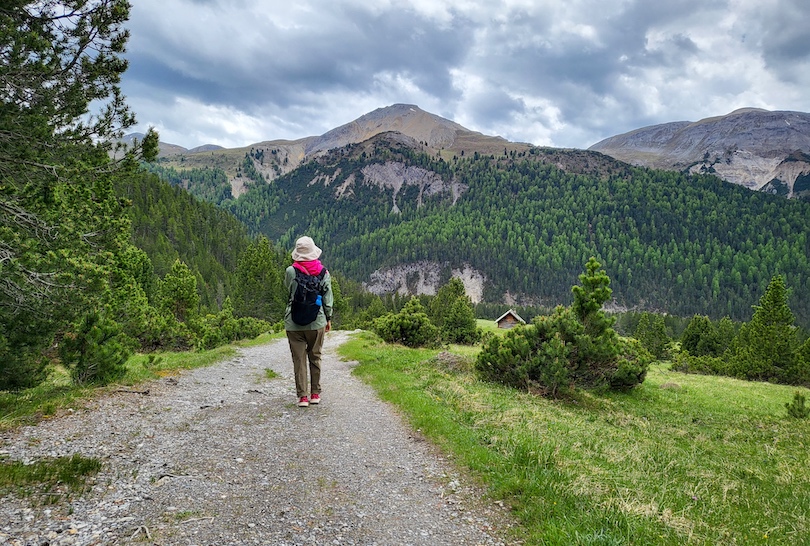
x=411, y=326
x=700, y=337
x=178, y=292
x=451, y=310
x=445, y=297
x=258, y=284
x=767, y=348
x=600, y=341
x=460, y=325
x=60, y=222
x=651, y=332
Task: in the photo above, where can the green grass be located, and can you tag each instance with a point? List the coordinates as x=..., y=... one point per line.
x=46, y=476
x=683, y=459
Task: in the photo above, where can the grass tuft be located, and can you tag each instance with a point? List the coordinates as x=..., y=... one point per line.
x=48, y=477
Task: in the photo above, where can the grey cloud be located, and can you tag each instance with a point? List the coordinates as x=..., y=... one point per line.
x=584, y=72
x=345, y=56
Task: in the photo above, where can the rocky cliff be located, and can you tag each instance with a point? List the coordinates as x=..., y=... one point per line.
x=758, y=149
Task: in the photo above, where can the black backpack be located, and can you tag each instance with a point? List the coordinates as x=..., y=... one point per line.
x=306, y=301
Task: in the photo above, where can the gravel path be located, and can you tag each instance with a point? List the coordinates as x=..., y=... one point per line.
x=222, y=455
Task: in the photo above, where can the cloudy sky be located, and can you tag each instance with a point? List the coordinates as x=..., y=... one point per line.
x=551, y=72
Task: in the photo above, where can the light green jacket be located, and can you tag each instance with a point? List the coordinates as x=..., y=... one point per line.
x=326, y=309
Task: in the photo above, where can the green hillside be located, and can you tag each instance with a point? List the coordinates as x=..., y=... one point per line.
x=168, y=223
x=670, y=242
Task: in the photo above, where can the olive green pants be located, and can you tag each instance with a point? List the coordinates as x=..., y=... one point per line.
x=305, y=345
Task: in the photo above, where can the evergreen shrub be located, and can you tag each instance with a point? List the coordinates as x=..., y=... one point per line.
x=705, y=365
x=95, y=350
x=573, y=347
x=410, y=327
x=20, y=369
x=798, y=408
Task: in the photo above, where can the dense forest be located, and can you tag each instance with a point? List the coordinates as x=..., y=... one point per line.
x=210, y=185
x=169, y=224
x=671, y=242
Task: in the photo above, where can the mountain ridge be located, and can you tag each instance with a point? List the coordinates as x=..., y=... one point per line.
x=274, y=158
x=751, y=147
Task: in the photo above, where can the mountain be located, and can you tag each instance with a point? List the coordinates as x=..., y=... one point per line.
x=759, y=149
x=518, y=226
x=274, y=158
x=402, y=200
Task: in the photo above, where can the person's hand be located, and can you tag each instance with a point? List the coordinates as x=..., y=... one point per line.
x=328, y=326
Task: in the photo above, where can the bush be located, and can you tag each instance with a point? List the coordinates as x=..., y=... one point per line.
x=573, y=347
x=706, y=365
x=212, y=331
x=797, y=408
x=165, y=332
x=410, y=327
x=634, y=360
x=96, y=350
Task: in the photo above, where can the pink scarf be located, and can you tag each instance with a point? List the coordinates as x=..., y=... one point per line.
x=312, y=267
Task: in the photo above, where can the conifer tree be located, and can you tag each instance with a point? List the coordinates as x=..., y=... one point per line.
x=258, y=284
x=60, y=222
x=452, y=312
x=766, y=348
x=599, y=341
x=445, y=297
x=651, y=332
x=700, y=337
x=411, y=326
x=178, y=292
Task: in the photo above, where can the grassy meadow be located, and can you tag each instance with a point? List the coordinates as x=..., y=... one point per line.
x=684, y=459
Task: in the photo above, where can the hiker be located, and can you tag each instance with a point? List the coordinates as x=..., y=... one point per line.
x=308, y=317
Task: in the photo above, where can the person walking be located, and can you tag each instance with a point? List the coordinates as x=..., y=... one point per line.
x=306, y=322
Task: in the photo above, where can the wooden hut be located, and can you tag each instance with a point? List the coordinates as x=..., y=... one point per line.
x=509, y=320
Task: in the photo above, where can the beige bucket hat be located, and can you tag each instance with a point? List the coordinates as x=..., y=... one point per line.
x=305, y=250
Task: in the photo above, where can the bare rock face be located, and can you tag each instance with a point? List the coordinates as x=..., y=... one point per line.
x=758, y=149
x=393, y=176
x=424, y=278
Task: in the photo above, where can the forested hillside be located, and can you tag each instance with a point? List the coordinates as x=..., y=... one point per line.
x=207, y=184
x=671, y=242
x=168, y=223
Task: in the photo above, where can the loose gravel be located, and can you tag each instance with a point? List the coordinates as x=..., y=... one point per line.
x=223, y=456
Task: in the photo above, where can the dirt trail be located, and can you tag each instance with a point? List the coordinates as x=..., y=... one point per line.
x=222, y=455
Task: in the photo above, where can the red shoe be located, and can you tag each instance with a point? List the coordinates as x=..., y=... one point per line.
x=315, y=399
x=303, y=402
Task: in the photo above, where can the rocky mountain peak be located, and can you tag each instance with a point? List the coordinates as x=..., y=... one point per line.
x=748, y=146
x=408, y=119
